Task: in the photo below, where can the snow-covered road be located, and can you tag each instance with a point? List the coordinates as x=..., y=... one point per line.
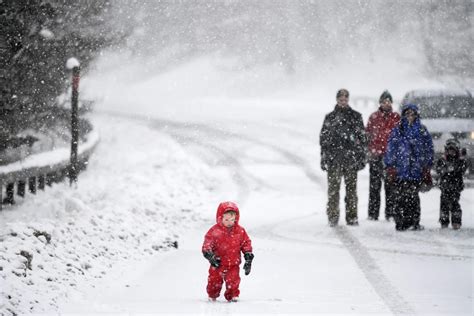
x=301, y=265
x=170, y=152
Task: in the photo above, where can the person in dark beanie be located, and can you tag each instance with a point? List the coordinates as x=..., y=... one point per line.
x=343, y=154
x=451, y=168
x=408, y=162
x=378, y=129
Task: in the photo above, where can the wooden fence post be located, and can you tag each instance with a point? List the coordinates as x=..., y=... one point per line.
x=41, y=182
x=49, y=179
x=20, y=191
x=32, y=185
x=10, y=198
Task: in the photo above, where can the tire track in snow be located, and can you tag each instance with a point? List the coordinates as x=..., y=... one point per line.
x=295, y=159
x=374, y=275
x=271, y=232
x=448, y=248
x=226, y=159
x=361, y=255
x=175, y=130
x=382, y=286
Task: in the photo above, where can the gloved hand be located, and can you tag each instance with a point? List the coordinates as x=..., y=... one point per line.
x=427, y=179
x=391, y=174
x=248, y=256
x=324, y=163
x=362, y=158
x=360, y=165
x=213, y=259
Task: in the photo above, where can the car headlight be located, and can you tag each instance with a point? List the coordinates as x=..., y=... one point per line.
x=472, y=135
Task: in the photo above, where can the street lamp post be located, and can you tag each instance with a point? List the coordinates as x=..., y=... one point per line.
x=74, y=65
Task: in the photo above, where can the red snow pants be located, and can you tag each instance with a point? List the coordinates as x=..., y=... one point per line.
x=217, y=276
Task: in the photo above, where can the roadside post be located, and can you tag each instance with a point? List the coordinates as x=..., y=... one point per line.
x=73, y=64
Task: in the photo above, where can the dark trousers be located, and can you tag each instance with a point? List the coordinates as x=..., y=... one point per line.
x=407, y=204
x=450, y=206
x=376, y=169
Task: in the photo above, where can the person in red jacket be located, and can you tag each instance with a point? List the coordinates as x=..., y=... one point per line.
x=222, y=246
x=378, y=130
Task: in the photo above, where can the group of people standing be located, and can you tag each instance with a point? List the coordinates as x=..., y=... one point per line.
x=400, y=154
x=399, y=150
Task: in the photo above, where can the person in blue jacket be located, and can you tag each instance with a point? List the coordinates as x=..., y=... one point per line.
x=408, y=162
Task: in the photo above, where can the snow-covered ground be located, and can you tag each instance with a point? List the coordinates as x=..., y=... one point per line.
x=175, y=145
x=130, y=203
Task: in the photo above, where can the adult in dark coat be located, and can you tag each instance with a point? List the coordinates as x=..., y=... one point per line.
x=408, y=161
x=378, y=129
x=343, y=154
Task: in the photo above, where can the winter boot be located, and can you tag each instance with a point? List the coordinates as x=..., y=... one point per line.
x=400, y=227
x=417, y=227
x=353, y=222
x=456, y=226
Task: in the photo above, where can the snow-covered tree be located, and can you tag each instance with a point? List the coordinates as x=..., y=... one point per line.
x=36, y=39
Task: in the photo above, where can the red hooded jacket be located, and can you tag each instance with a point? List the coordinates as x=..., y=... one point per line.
x=227, y=242
x=378, y=130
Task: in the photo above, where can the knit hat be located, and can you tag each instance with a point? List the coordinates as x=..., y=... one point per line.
x=385, y=95
x=452, y=143
x=342, y=92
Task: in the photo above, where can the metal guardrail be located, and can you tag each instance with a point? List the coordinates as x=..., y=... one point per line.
x=39, y=176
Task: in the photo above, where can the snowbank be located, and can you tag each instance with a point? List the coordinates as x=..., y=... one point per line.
x=127, y=207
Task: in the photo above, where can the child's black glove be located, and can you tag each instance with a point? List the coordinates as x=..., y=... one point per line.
x=213, y=260
x=248, y=256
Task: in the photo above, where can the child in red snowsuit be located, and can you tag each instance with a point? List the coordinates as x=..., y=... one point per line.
x=222, y=246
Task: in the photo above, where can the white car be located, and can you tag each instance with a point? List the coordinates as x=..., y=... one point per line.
x=447, y=114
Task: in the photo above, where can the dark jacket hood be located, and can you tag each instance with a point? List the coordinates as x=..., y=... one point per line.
x=404, y=120
x=410, y=106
